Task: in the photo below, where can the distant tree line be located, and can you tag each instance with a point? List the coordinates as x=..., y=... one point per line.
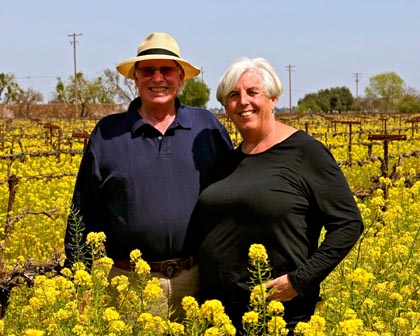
x=108, y=88
x=337, y=99
x=386, y=92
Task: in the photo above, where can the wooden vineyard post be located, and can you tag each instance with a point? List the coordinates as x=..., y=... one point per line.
x=383, y=122
x=414, y=125
x=13, y=181
x=50, y=137
x=84, y=136
x=332, y=123
x=350, y=123
x=386, y=138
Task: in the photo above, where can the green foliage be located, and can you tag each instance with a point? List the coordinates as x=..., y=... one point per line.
x=9, y=89
x=409, y=104
x=386, y=87
x=338, y=99
x=95, y=91
x=77, y=236
x=194, y=93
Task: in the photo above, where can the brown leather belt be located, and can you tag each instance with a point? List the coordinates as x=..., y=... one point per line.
x=170, y=268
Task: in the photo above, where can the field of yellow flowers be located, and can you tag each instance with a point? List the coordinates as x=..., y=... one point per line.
x=374, y=291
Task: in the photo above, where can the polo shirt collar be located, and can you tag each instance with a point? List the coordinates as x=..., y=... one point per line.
x=182, y=119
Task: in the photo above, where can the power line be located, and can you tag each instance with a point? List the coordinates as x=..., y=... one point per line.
x=74, y=42
x=35, y=77
x=289, y=68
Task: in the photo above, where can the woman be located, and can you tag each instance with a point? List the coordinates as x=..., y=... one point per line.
x=282, y=187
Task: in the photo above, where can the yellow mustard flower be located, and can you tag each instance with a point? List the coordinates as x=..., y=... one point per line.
x=210, y=308
x=277, y=326
x=100, y=277
x=368, y=303
x=33, y=332
x=275, y=308
x=351, y=327
x=104, y=263
x=318, y=324
x=79, y=330
x=53, y=328
x=213, y=331
x=415, y=331
x=121, y=283
x=230, y=330
x=64, y=314
x=385, y=181
x=250, y=317
x=116, y=326
x=110, y=314
x=142, y=268
x=176, y=328
x=221, y=319
x=302, y=328
x=190, y=306
x=135, y=255
x=401, y=323
x=96, y=239
x=258, y=254
x=82, y=278
x=258, y=294
x=78, y=266
x=360, y=275
x=153, y=291
x=36, y=303
x=148, y=322
x=396, y=297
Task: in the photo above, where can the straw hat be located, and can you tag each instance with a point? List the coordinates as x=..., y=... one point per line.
x=157, y=46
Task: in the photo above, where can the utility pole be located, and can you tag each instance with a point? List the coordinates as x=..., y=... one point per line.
x=74, y=35
x=357, y=76
x=290, y=69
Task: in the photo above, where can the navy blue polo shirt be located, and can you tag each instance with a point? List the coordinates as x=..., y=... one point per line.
x=140, y=186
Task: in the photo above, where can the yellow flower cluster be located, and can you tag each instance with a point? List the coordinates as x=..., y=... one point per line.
x=96, y=241
x=258, y=254
x=378, y=280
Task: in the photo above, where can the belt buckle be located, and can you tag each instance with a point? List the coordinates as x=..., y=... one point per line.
x=170, y=268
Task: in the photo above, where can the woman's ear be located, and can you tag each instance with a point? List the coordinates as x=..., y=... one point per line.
x=273, y=103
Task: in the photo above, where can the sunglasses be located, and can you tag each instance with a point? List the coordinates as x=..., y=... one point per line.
x=149, y=71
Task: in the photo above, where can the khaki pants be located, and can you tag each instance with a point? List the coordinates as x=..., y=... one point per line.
x=174, y=289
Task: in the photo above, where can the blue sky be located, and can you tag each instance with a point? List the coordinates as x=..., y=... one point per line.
x=326, y=42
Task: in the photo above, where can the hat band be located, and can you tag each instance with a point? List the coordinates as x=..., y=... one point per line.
x=158, y=51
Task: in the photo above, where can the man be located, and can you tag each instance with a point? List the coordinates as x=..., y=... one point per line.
x=143, y=170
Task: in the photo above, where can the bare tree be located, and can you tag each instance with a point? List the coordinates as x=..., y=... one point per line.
x=125, y=89
x=27, y=98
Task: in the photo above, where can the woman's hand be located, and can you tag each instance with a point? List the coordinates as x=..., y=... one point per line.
x=281, y=289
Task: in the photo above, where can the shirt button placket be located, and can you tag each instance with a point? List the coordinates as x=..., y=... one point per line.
x=159, y=142
x=165, y=146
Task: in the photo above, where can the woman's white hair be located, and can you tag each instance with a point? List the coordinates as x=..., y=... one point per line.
x=272, y=86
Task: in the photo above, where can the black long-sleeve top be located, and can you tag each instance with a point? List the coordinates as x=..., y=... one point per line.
x=280, y=198
x=140, y=186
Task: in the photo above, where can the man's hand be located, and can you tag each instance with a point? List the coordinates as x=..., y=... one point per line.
x=281, y=289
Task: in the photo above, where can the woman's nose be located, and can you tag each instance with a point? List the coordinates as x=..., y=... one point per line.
x=243, y=99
